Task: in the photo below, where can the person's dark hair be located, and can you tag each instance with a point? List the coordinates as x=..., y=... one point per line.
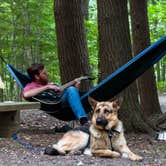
x=35, y=69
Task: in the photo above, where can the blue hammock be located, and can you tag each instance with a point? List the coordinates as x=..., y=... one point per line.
x=110, y=86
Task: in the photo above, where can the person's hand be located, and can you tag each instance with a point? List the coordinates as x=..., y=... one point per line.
x=77, y=83
x=53, y=87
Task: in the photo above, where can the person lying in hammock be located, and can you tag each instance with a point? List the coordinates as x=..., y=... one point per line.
x=70, y=97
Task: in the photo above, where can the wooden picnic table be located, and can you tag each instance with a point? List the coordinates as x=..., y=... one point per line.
x=10, y=116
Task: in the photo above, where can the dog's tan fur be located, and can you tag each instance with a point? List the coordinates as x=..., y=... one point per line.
x=74, y=141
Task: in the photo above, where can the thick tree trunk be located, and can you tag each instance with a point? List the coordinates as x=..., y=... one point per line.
x=84, y=7
x=141, y=39
x=71, y=39
x=114, y=51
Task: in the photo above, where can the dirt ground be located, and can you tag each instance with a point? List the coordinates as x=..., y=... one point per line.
x=37, y=132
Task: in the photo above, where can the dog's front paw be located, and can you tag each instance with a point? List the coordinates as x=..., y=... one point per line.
x=134, y=157
x=75, y=152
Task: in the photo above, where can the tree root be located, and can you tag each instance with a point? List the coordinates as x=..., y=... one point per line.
x=157, y=122
x=161, y=122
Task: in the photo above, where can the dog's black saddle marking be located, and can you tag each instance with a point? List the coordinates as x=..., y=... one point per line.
x=84, y=129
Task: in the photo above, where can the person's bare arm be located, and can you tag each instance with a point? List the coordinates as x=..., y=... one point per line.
x=35, y=91
x=77, y=83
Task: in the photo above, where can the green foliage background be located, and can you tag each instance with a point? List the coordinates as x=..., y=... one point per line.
x=157, y=22
x=27, y=35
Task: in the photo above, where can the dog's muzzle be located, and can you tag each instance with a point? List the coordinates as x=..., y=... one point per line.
x=101, y=121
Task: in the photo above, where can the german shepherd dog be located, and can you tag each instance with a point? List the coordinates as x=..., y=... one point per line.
x=104, y=133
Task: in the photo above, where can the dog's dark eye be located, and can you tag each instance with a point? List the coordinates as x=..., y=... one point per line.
x=107, y=111
x=97, y=111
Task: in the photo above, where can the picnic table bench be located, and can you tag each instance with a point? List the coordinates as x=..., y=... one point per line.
x=10, y=116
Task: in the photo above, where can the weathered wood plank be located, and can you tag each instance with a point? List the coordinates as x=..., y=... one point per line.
x=9, y=123
x=10, y=116
x=12, y=106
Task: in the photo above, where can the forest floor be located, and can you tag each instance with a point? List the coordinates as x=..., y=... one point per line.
x=37, y=132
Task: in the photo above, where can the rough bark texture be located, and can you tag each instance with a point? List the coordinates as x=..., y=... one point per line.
x=141, y=39
x=84, y=6
x=1, y=95
x=72, y=45
x=114, y=51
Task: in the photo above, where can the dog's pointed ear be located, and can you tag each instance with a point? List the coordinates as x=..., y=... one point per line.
x=117, y=103
x=92, y=102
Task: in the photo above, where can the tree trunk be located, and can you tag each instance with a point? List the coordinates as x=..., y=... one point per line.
x=141, y=39
x=72, y=45
x=1, y=95
x=158, y=71
x=114, y=51
x=163, y=71
x=84, y=7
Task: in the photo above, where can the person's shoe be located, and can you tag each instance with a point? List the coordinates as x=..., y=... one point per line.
x=83, y=120
x=87, y=125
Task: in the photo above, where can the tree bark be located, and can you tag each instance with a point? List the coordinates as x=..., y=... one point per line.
x=141, y=39
x=84, y=7
x=1, y=95
x=71, y=39
x=114, y=51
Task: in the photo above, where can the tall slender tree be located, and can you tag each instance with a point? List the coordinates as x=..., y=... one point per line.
x=115, y=50
x=141, y=39
x=72, y=44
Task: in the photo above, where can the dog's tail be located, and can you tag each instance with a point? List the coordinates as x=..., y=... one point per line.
x=52, y=151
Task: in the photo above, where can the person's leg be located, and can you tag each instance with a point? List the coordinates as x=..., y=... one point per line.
x=71, y=98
